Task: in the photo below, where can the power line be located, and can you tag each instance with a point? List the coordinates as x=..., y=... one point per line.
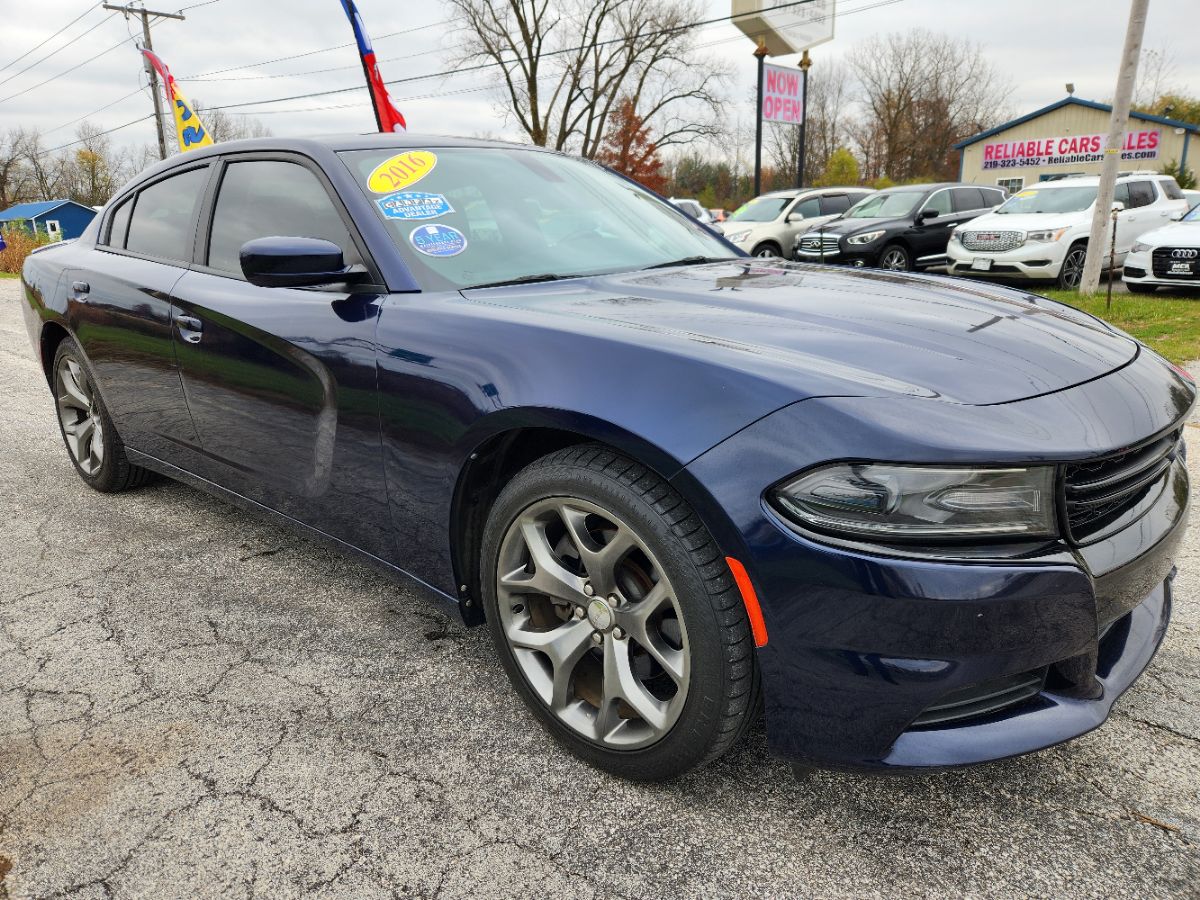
x=56, y=51
x=49, y=39
x=101, y=109
x=120, y=43
x=96, y=135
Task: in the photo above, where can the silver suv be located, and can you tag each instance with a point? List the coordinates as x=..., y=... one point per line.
x=768, y=225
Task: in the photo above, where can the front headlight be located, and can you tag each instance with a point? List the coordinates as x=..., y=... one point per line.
x=738, y=236
x=1139, y=247
x=1044, y=237
x=866, y=237
x=955, y=237
x=907, y=502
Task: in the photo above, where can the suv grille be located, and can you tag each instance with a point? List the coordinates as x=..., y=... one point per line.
x=996, y=241
x=1163, y=257
x=1098, y=492
x=813, y=243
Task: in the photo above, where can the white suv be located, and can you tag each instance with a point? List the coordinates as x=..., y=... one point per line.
x=769, y=225
x=1041, y=232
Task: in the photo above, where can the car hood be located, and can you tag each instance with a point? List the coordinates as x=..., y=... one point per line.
x=821, y=331
x=1024, y=222
x=1177, y=234
x=852, y=226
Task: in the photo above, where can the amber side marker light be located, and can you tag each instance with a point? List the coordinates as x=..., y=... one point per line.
x=757, y=626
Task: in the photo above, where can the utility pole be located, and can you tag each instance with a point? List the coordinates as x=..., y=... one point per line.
x=1102, y=214
x=149, y=45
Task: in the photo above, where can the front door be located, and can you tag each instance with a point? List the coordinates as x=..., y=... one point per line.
x=281, y=382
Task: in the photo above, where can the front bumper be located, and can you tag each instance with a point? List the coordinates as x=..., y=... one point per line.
x=857, y=256
x=863, y=643
x=1139, y=269
x=1036, y=262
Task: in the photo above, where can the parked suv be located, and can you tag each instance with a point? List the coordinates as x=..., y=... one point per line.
x=1042, y=231
x=768, y=225
x=902, y=228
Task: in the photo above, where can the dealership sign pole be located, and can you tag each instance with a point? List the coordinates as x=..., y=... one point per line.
x=760, y=53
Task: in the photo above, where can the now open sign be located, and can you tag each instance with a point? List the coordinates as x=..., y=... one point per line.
x=783, y=95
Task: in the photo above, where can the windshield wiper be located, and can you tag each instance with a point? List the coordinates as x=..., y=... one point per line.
x=692, y=261
x=524, y=279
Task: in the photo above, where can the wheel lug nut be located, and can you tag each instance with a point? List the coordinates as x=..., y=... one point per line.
x=589, y=590
x=579, y=613
x=597, y=637
x=614, y=600
x=618, y=633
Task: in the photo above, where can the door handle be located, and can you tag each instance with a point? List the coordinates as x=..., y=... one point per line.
x=80, y=290
x=190, y=328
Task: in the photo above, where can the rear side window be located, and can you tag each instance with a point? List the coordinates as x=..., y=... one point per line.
x=993, y=197
x=834, y=204
x=271, y=198
x=1121, y=194
x=967, y=199
x=163, y=224
x=1171, y=189
x=118, y=225
x=1141, y=193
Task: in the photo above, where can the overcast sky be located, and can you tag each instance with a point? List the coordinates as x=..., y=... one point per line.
x=1038, y=44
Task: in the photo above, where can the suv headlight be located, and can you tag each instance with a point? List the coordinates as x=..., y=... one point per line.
x=1045, y=237
x=738, y=236
x=956, y=237
x=1139, y=247
x=866, y=237
x=908, y=502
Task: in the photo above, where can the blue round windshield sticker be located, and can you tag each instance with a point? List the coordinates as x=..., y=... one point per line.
x=414, y=205
x=438, y=240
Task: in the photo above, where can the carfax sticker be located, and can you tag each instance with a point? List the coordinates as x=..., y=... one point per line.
x=401, y=171
x=438, y=240
x=414, y=205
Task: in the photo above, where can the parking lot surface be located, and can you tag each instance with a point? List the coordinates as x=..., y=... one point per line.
x=196, y=703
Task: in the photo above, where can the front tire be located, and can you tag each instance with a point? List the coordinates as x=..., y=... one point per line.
x=90, y=437
x=768, y=250
x=895, y=258
x=615, y=615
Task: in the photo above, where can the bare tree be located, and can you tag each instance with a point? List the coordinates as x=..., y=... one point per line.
x=922, y=92
x=829, y=118
x=14, y=174
x=1156, y=74
x=92, y=171
x=564, y=67
x=222, y=126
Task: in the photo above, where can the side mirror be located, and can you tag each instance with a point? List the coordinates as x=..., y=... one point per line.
x=295, y=262
x=794, y=217
x=1176, y=217
x=927, y=214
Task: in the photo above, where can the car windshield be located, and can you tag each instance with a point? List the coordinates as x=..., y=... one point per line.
x=1049, y=200
x=761, y=209
x=885, y=205
x=464, y=217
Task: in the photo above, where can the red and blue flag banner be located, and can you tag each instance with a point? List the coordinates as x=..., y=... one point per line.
x=188, y=130
x=387, y=117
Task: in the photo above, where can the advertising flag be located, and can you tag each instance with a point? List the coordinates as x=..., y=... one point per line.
x=387, y=117
x=188, y=130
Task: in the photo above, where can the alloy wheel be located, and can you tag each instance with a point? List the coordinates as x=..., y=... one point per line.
x=593, y=622
x=1072, y=267
x=894, y=259
x=766, y=253
x=79, y=416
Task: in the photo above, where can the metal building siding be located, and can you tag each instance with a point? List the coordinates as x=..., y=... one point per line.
x=1063, y=122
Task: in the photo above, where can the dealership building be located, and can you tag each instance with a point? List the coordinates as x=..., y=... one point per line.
x=1067, y=138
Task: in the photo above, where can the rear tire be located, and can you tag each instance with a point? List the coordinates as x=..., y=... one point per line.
x=1135, y=288
x=585, y=543
x=91, y=439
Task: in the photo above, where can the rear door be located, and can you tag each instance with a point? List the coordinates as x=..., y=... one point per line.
x=121, y=311
x=281, y=382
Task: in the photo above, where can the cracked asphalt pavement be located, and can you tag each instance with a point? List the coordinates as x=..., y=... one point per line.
x=196, y=703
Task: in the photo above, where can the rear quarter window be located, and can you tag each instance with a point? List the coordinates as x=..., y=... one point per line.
x=118, y=225
x=1171, y=189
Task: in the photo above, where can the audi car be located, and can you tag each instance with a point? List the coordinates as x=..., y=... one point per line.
x=913, y=522
x=1165, y=257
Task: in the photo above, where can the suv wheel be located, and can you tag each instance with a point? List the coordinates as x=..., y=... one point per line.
x=615, y=615
x=768, y=249
x=1071, y=272
x=895, y=258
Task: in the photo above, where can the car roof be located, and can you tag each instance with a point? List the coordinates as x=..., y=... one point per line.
x=1094, y=180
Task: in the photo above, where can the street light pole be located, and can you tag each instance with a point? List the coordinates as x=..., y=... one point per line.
x=805, y=62
x=760, y=54
x=149, y=45
x=1089, y=283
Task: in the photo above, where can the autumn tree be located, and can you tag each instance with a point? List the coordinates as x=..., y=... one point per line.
x=564, y=66
x=628, y=149
x=841, y=170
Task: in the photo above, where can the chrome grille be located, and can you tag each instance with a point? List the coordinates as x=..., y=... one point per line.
x=996, y=241
x=1099, y=491
x=816, y=243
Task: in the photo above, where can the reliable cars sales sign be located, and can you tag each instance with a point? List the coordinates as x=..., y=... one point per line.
x=1066, y=151
x=783, y=95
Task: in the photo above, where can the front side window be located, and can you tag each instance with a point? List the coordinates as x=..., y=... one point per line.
x=886, y=205
x=467, y=216
x=163, y=223
x=809, y=209
x=761, y=209
x=271, y=198
x=939, y=202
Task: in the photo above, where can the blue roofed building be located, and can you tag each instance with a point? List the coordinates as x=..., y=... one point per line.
x=60, y=219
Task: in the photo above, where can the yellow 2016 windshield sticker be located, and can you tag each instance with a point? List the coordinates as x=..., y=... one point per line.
x=401, y=170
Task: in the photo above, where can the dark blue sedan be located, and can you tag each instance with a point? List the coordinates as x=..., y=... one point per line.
x=920, y=523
